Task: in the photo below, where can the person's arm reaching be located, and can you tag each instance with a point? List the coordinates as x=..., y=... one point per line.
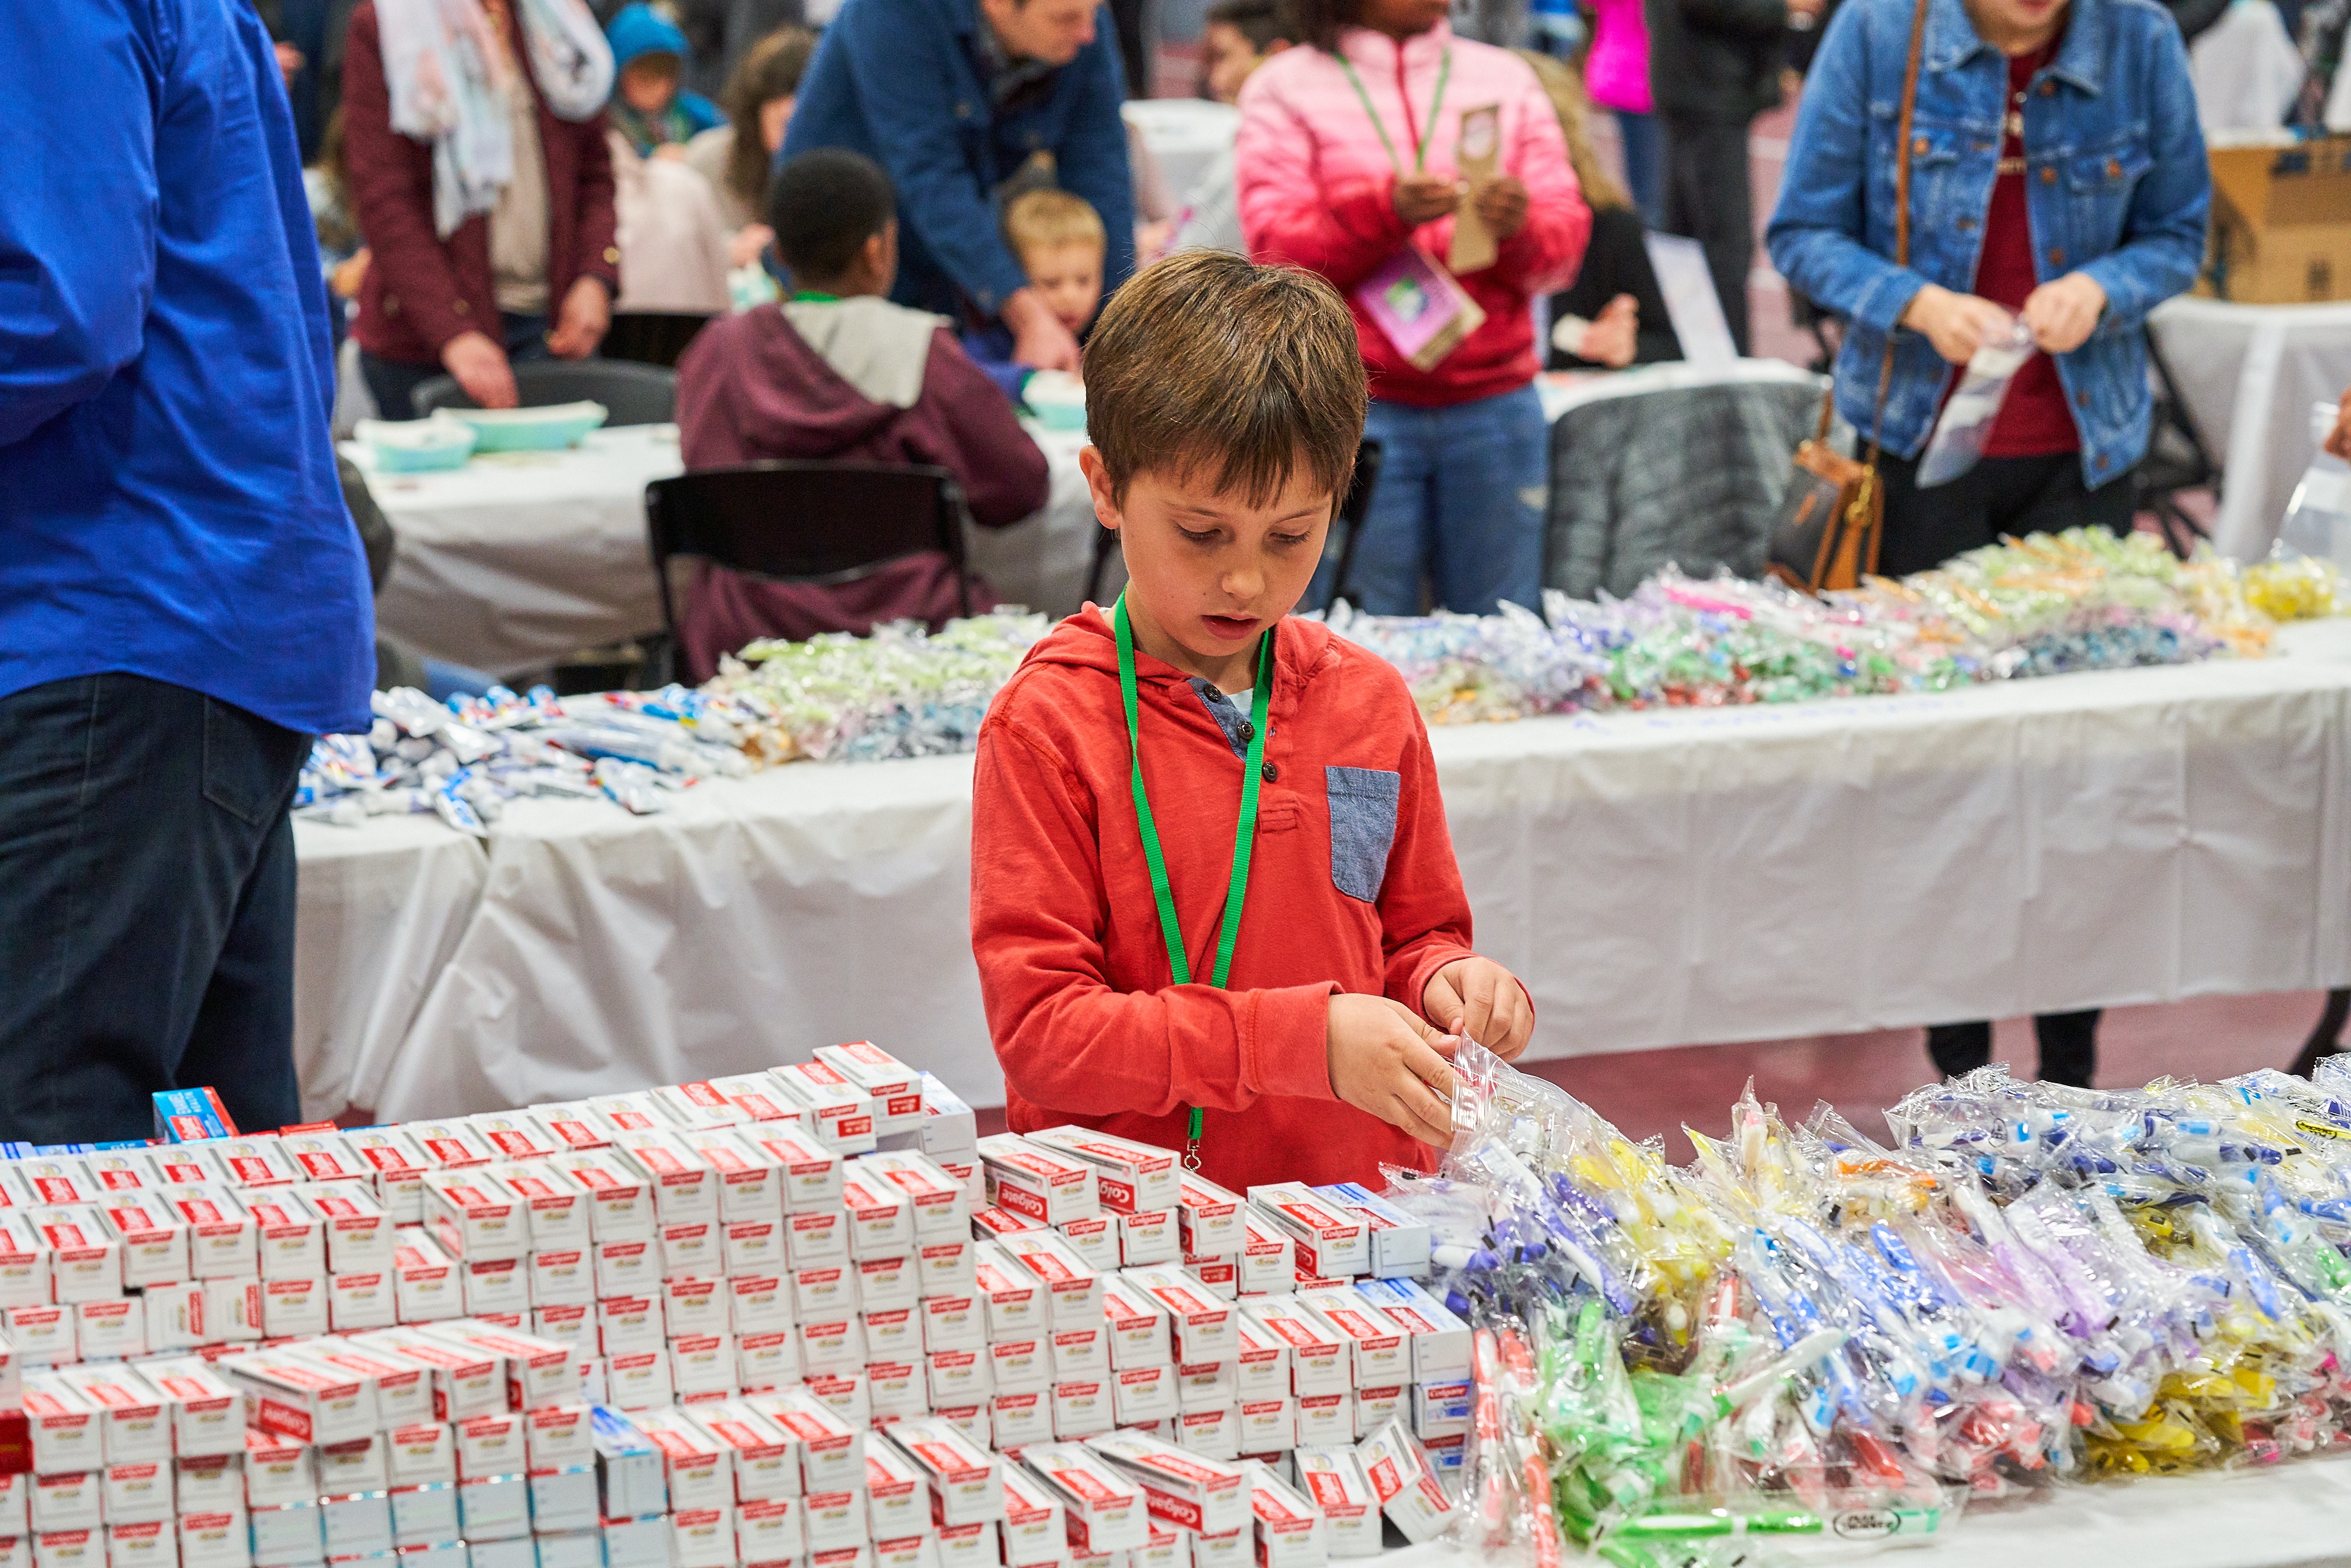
x=1342, y=231
x=77, y=267
x=1092, y=158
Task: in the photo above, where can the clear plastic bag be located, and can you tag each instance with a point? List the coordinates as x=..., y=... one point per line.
x=1966, y=423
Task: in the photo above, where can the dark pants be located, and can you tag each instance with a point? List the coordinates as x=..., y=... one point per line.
x=146, y=908
x=391, y=382
x=1639, y=134
x=1708, y=199
x=1926, y=528
x=1999, y=496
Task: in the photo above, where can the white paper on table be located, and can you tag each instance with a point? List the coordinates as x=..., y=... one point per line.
x=1691, y=303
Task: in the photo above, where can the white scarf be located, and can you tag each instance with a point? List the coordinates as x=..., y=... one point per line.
x=448, y=80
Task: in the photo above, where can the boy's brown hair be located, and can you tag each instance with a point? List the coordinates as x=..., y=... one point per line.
x=1043, y=220
x=1209, y=358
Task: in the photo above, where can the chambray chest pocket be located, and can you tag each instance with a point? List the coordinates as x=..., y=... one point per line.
x=1362, y=827
x=2098, y=188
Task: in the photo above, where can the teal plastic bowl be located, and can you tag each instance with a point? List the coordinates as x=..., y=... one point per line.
x=1057, y=399
x=416, y=445
x=530, y=429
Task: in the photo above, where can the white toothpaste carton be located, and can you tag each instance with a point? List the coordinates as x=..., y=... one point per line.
x=207, y=1415
x=1094, y=1240
x=888, y=1284
x=1320, y=1358
x=135, y=1424
x=756, y=1095
x=24, y=1264
x=750, y=1176
x=1210, y=1218
x=211, y=1480
x=559, y=1436
x=628, y=1467
x=764, y=1459
x=895, y=1088
x=1334, y=1480
x=811, y=1169
x=322, y=1155
x=956, y=1322
x=892, y=1334
x=1326, y=1420
x=1138, y=1325
x=625, y=1112
x=1399, y=1243
x=699, y=1468
x=85, y=1259
x=449, y=1145
x=359, y=1466
x=692, y=1249
x=702, y=1367
x=881, y=1217
x=966, y=1480
x=294, y=1309
x=1206, y=1386
x=958, y=1379
x=987, y=1223
x=475, y=1218
x=562, y=1277
x=897, y=1499
x=845, y=1393
x=57, y=1181
x=1073, y=1290
x=498, y=1287
x=1143, y=1394
x=360, y=1301
x=620, y=1199
x=1332, y=1242
x=835, y=1523
x=1149, y=1239
x=1216, y=1432
x=72, y=1502
x=942, y=1205
x=1381, y=1352
x=945, y=1268
x=701, y=1538
x=138, y=1493
x=1219, y=1276
x=832, y=1452
x=1405, y=1483
x=1041, y=1183
x=359, y=1234
x=631, y=1267
x=685, y=1186
x=1020, y=1365
x=42, y=1335
x=825, y=1291
x=1208, y=1497
x=1083, y=1406
x=839, y=1112
x=1012, y=1299
x=233, y=1312
x=425, y=1454
x=1290, y=1531
x=754, y=1247
x=467, y=1382
x=1268, y=1425
x=513, y=1135
x=834, y=1344
x=769, y=1533
x=633, y=1542
x=1440, y=1340
x=116, y=1171
x=1081, y=1352
x=948, y=1128
x=539, y=1372
x=555, y=1207
x=1374, y=1406
x=1203, y=1323
x=112, y=1330
x=697, y=1106
x=1019, y=1417
x=153, y=1239
x=1440, y=1410
x=181, y=1164
x=292, y=1240
x=1267, y=1261
x=897, y=1389
x=813, y=1236
x=1165, y=1549
x=403, y=1390
x=760, y=1304
x=572, y=1128
x=398, y=1167
x=1034, y=1531
x=424, y=1283
x=298, y=1398
x=767, y=1361
x=1131, y=1177
x=1104, y=1510
x=279, y=1471
x=214, y=1538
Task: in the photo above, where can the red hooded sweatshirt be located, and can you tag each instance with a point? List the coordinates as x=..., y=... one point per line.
x=1353, y=888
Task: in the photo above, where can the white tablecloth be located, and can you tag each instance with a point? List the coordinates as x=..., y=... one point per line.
x=2248, y=374
x=518, y=558
x=1657, y=879
x=2289, y=1516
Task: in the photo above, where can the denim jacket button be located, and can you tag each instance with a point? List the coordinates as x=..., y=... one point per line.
x=2048, y=88
x=2057, y=256
x=1918, y=147
x=2081, y=399
x=2048, y=174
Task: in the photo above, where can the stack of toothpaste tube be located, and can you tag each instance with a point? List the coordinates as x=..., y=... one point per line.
x=801, y=1317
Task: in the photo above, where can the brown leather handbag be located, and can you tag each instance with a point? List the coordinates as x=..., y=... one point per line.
x=1827, y=533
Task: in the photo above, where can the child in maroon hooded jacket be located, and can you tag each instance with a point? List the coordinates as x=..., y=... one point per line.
x=839, y=371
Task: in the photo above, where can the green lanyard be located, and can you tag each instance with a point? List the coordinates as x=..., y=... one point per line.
x=1179, y=964
x=812, y=297
x=1420, y=154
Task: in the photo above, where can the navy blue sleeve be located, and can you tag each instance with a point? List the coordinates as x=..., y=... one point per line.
x=76, y=265
x=1092, y=158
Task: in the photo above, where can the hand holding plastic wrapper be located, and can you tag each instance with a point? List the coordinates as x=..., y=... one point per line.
x=1967, y=420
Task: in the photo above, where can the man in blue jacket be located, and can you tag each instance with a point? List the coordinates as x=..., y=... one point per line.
x=183, y=601
x=955, y=98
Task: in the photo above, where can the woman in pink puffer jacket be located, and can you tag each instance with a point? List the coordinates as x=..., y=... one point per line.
x=1347, y=155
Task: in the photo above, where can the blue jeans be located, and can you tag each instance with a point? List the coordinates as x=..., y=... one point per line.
x=390, y=381
x=1461, y=501
x=1639, y=135
x=146, y=907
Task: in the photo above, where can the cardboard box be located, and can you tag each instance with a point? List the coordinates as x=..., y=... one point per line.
x=295, y=1397
x=757, y=1096
x=112, y=1330
x=698, y=1467
x=834, y=1520
x=1184, y=1489
x=945, y=1267
x=75, y=1500
x=836, y=1344
x=1399, y=1243
x=881, y=1217
x=497, y=1509
x=692, y=1249
x=1043, y=1184
x=1208, y=1218
x=1020, y=1365
x=1104, y=1510
x=356, y=1302
x=702, y=1367
x=1095, y=1240
x=1083, y=1406
x=180, y=1165
x=697, y=1107
x=769, y=1533
x=424, y=1454
x=951, y=1323
x=279, y=1471
x=764, y=1458
x=1220, y=1276
x=1440, y=1340
x=1375, y=1406
x=765, y=1362
x=838, y=1114
x=555, y=1207
x=146, y=1543
x=630, y=1267
x=898, y=1389
x=538, y=1372
x=684, y=1185
x=825, y=1291
x=958, y=1379
x=206, y=1413
x=403, y=1390
x=966, y=1482
x=476, y=1218
x=1268, y=1263
x=942, y=1205
x=214, y=1538
x=1072, y=1290
x=294, y=1309
x=1214, y=1431
x=1148, y=1239
x=895, y=1088
x=1332, y=1242
x=990, y=1222
x=212, y=1481
x=897, y=1498
x=636, y=1543
x=2281, y=226
x=1334, y=1480
x=1326, y=1420
x=1203, y=1325
x=41, y=1335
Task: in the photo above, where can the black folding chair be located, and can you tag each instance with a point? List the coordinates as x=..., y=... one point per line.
x=650, y=337
x=792, y=520
x=2177, y=459
x=632, y=394
x=1352, y=512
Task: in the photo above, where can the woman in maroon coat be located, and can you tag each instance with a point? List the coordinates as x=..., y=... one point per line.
x=467, y=271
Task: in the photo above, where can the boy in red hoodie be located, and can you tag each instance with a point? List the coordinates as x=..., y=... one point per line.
x=1297, y=1027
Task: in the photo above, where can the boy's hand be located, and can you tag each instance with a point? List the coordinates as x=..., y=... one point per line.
x=1387, y=1061
x=1422, y=198
x=1479, y=1000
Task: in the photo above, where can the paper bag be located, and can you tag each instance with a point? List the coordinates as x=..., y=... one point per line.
x=1478, y=157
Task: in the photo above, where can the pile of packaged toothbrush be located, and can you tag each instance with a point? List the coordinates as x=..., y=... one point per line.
x=2038, y=606
x=1805, y=1331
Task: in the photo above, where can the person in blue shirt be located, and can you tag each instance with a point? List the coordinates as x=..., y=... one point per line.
x=649, y=107
x=184, y=602
x=966, y=102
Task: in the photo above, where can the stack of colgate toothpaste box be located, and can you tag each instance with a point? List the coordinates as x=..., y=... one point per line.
x=801, y=1317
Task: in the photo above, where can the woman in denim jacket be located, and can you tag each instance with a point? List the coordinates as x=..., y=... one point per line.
x=2057, y=175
